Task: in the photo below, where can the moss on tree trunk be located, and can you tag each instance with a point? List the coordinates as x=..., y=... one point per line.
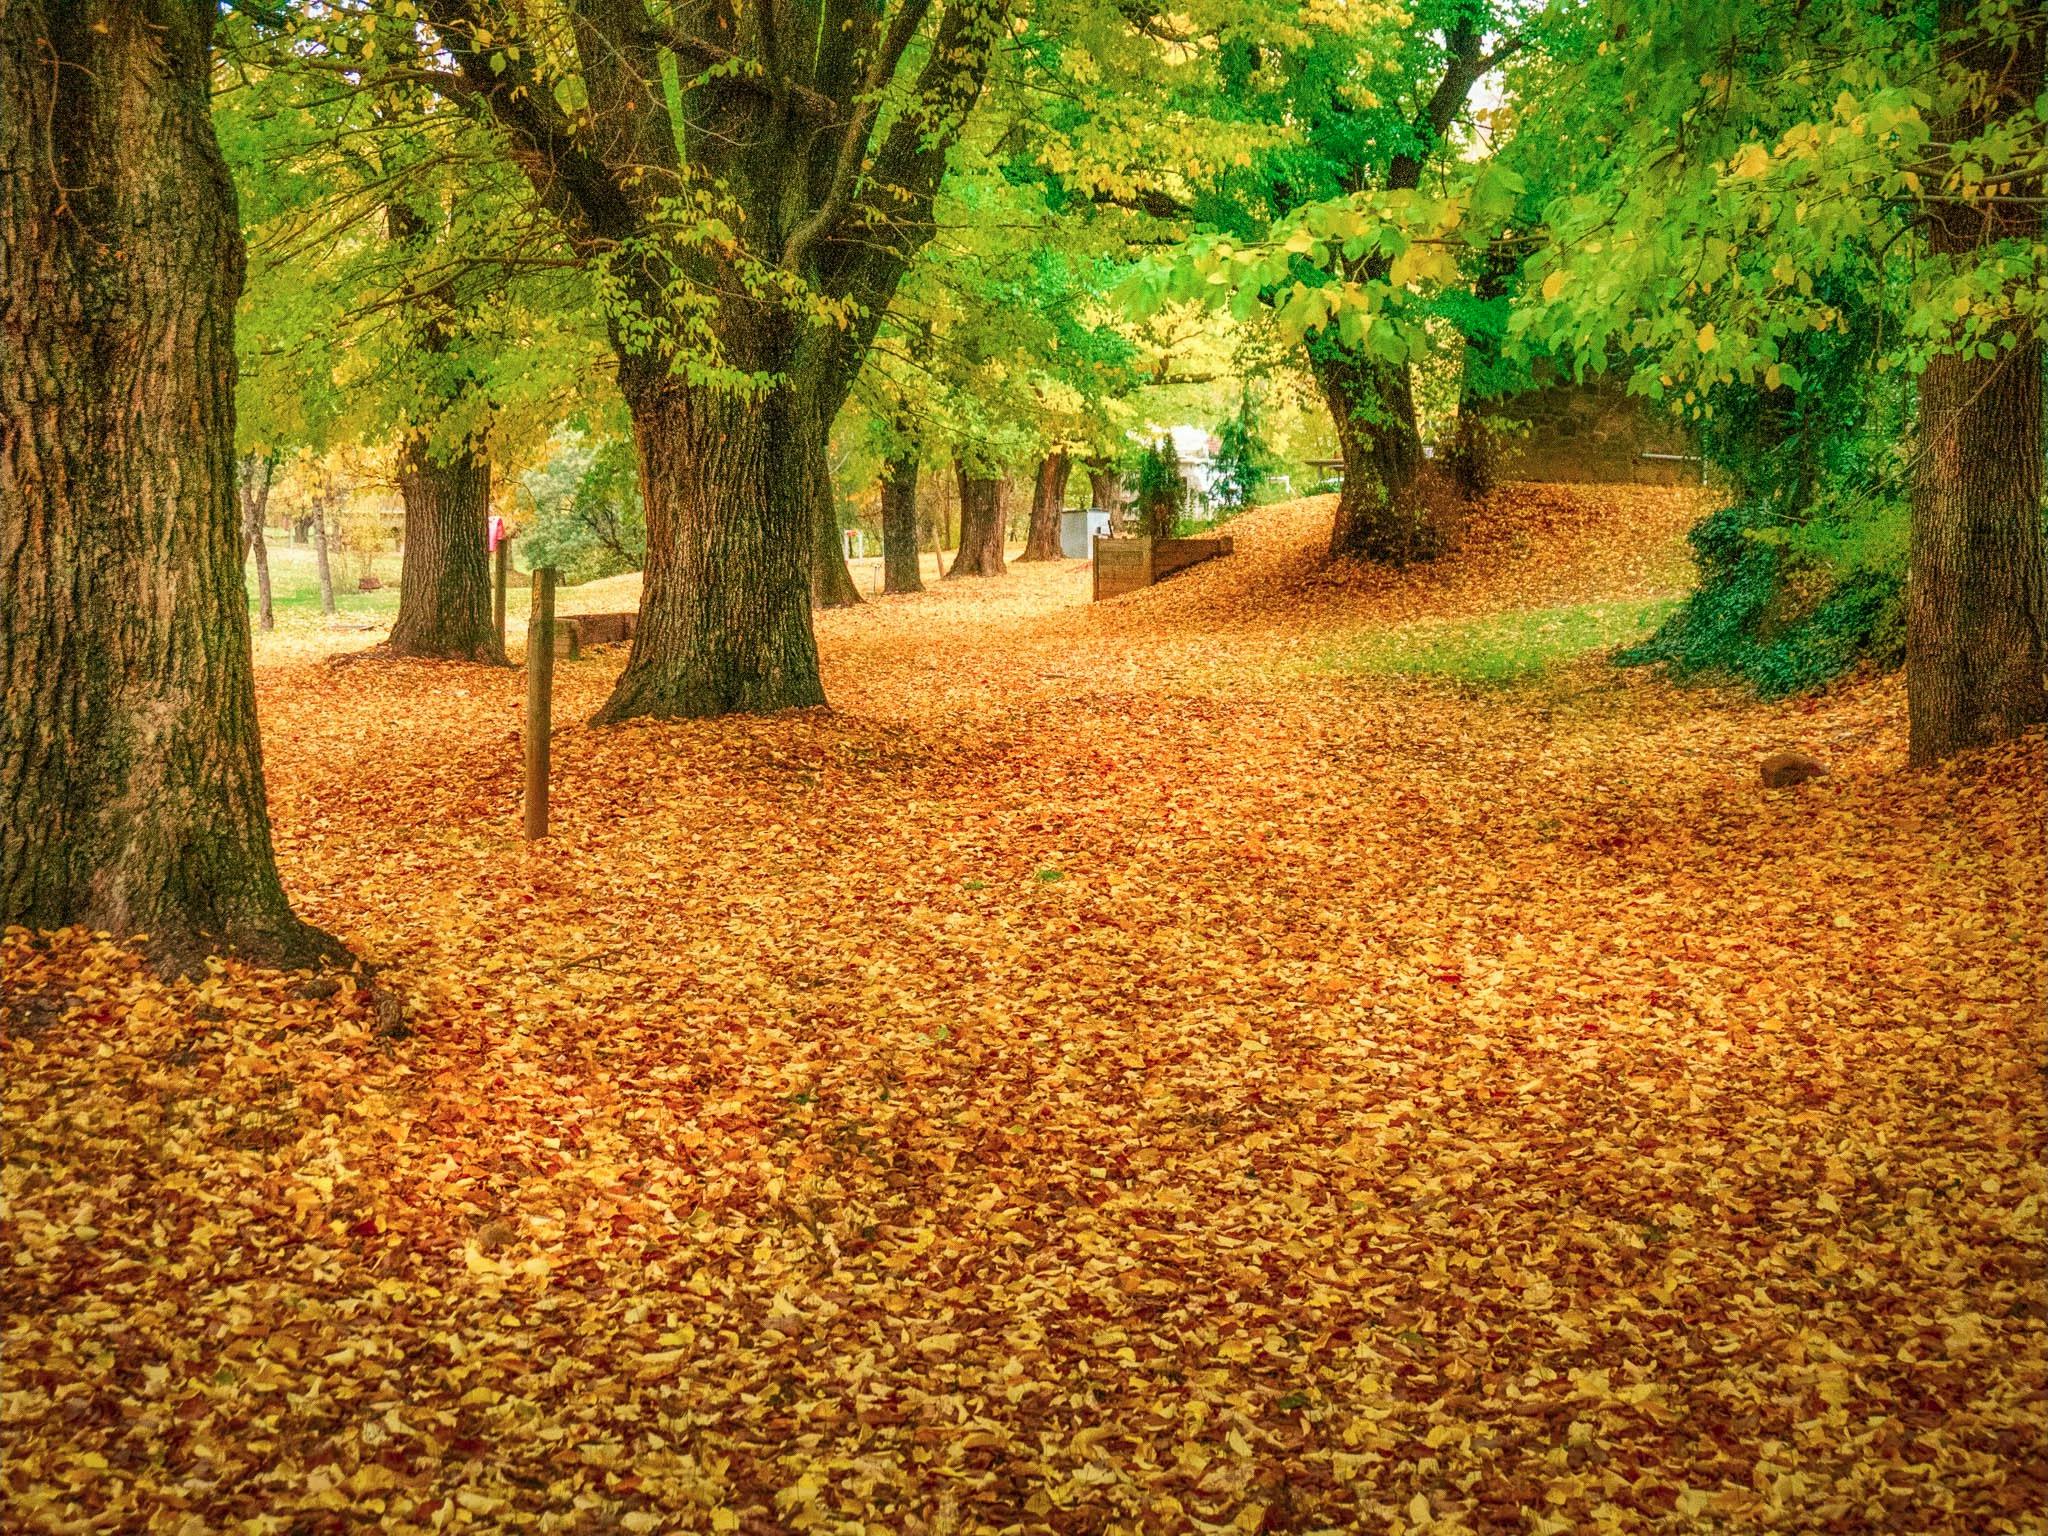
x=900, y=571
x=1379, y=516
x=1977, y=590
x=444, y=587
x=725, y=605
x=131, y=780
x=981, y=526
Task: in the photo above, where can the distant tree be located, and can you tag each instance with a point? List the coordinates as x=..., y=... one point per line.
x=1242, y=458
x=746, y=208
x=1106, y=490
x=444, y=473
x=129, y=760
x=982, y=516
x=900, y=572
x=257, y=475
x=1162, y=492
x=1048, y=499
x=581, y=510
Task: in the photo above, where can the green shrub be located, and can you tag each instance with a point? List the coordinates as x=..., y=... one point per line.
x=1802, y=574
x=582, y=511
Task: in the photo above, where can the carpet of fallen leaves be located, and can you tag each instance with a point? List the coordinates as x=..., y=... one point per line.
x=1111, y=1073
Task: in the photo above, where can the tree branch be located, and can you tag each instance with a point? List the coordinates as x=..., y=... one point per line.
x=853, y=143
x=739, y=67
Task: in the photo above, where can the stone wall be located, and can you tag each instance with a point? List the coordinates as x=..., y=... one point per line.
x=1591, y=432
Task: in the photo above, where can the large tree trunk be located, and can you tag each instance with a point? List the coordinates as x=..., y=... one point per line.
x=899, y=527
x=1048, y=500
x=730, y=486
x=255, y=503
x=1379, y=516
x=320, y=560
x=444, y=587
x=131, y=778
x=981, y=527
x=1977, y=601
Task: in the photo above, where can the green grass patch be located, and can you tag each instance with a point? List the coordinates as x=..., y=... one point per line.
x=1501, y=648
x=295, y=582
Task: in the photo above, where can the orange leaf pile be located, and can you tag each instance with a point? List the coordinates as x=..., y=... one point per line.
x=1113, y=1073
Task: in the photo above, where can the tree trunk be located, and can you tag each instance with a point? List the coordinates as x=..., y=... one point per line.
x=899, y=527
x=981, y=527
x=730, y=486
x=1379, y=517
x=444, y=586
x=1977, y=590
x=1048, y=500
x=831, y=582
x=1475, y=458
x=131, y=775
x=255, y=503
x=1475, y=451
x=320, y=562
x=302, y=529
x=1106, y=494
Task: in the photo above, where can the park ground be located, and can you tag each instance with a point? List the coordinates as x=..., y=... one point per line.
x=1289, y=1050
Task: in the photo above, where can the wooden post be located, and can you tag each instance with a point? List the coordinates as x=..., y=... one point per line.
x=502, y=557
x=540, y=688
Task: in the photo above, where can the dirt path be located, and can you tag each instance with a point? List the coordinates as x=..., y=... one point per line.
x=1116, y=1071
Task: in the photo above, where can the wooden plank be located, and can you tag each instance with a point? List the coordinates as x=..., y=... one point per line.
x=1122, y=565
x=540, y=690
x=501, y=561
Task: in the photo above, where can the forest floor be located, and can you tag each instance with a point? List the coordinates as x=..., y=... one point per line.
x=1287, y=1050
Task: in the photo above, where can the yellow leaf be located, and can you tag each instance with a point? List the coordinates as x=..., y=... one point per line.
x=1418, y=1509
x=1707, y=339
x=1553, y=285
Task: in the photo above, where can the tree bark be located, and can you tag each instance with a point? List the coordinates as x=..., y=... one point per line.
x=255, y=503
x=131, y=776
x=836, y=194
x=1372, y=403
x=1475, y=452
x=1048, y=500
x=1977, y=587
x=444, y=586
x=899, y=527
x=320, y=561
x=730, y=489
x=1106, y=494
x=1379, y=517
x=981, y=526
x=831, y=580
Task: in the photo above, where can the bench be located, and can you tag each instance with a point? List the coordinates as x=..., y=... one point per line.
x=574, y=631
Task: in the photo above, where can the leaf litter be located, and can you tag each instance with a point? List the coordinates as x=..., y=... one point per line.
x=1112, y=1073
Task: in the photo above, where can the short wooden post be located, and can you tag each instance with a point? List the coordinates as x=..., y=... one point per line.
x=502, y=558
x=540, y=688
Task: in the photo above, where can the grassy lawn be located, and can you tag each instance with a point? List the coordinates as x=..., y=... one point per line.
x=295, y=582
x=1498, y=649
